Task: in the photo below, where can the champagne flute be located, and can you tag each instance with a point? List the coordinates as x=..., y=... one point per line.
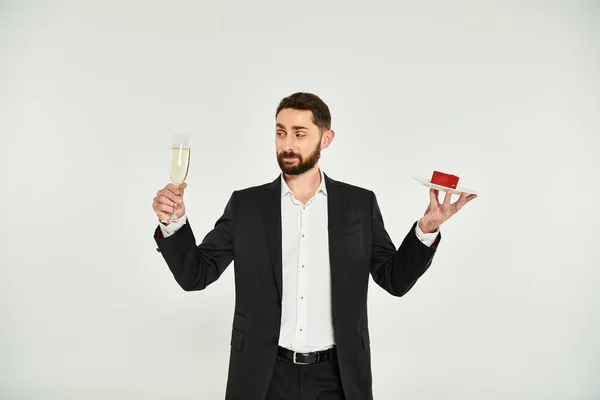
x=179, y=165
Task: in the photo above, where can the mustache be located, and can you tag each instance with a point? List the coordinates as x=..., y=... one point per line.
x=287, y=154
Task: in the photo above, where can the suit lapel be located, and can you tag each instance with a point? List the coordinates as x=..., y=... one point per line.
x=335, y=210
x=336, y=215
x=271, y=212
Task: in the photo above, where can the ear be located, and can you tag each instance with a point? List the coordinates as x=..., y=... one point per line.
x=327, y=138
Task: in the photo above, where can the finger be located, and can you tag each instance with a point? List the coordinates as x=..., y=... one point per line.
x=433, y=197
x=465, y=198
x=447, y=197
x=173, y=189
x=164, y=216
x=170, y=200
x=433, y=204
x=165, y=200
x=160, y=202
x=181, y=189
x=469, y=198
x=169, y=194
x=462, y=200
x=164, y=208
x=458, y=204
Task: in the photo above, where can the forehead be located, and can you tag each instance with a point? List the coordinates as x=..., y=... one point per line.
x=290, y=117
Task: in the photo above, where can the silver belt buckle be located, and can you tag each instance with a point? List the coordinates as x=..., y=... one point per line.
x=297, y=362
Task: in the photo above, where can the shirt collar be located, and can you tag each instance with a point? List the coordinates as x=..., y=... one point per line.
x=285, y=189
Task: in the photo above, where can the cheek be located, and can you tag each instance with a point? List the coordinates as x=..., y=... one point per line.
x=303, y=152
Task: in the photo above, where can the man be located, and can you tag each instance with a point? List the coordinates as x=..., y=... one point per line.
x=304, y=246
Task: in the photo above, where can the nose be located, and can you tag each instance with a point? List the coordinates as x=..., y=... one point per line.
x=289, y=143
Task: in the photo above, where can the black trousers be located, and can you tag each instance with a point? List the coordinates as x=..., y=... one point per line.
x=305, y=382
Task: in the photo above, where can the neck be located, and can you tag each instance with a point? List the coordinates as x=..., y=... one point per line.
x=304, y=184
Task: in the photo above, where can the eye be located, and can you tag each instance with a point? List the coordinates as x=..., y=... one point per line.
x=300, y=135
x=280, y=133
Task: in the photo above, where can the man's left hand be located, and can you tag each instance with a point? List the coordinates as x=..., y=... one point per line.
x=437, y=213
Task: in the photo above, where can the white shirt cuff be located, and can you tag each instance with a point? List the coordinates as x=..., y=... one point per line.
x=168, y=230
x=426, y=238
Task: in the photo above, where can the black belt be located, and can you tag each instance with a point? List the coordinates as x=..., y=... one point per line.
x=307, y=358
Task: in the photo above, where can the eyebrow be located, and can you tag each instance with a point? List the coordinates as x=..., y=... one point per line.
x=294, y=127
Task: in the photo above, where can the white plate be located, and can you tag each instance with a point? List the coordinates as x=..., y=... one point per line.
x=458, y=190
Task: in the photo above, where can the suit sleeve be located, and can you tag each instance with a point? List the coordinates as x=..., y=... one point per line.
x=397, y=270
x=194, y=267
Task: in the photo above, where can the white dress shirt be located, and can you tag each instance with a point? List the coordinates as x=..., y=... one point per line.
x=306, y=323
x=306, y=320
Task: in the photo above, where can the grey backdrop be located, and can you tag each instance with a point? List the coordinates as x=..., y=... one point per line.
x=504, y=94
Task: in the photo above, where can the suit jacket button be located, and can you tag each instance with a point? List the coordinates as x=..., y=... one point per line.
x=274, y=340
x=279, y=303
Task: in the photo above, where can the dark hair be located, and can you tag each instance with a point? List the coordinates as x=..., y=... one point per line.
x=308, y=102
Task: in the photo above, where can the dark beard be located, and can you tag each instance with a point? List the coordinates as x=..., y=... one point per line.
x=303, y=165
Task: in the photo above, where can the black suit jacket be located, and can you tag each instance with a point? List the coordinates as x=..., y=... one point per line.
x=249, y=232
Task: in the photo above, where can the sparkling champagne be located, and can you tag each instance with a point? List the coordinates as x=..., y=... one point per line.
x=180, y=162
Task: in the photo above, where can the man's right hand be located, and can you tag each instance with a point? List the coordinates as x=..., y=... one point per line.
x=168, y=199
